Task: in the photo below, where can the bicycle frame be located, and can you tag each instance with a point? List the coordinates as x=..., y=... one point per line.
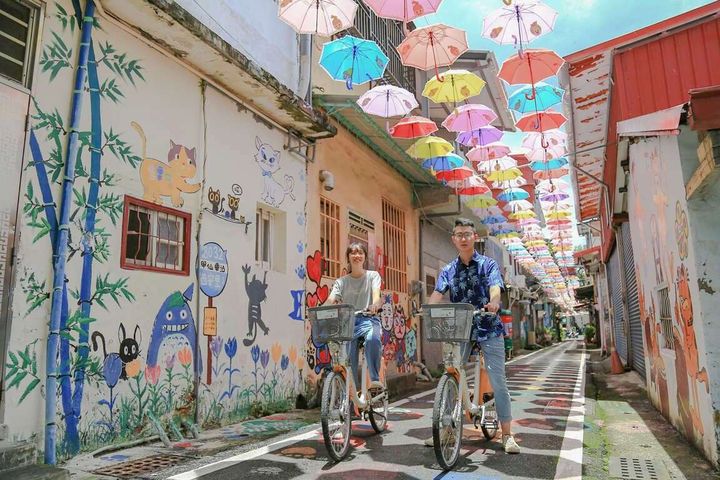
x=451, y=357
x=361, y=398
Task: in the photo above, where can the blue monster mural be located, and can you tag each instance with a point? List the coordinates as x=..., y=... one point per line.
x=174, y=329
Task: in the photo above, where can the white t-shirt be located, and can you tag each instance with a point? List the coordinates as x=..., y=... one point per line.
x=357, y=291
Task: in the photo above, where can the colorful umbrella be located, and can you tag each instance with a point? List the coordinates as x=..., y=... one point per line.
x=548, y=186
x=428, y=147
x=515, y=182
x=535, y=98
x=453, y=86
x=548, y=153
x=479, y=136
x=459, y=173
x=502, y=175
x=517, y=205
x=387, y=101
x=494, y=220
x=553, y=197
x=519, y=22
x=432, y=47
x=523, y=214
x=469, y=117
x=480, y=201
x=487, y=166
x=413, y=127
x=534, y=65
x=403, y=10
x=447, y=162
x=320, y=17
x=541, y=121
x=488, y=152
x=473, y=185
x=551, y=164
x=510, y=194
x=549, y=138
x=353, y=60
x=558, y=214
x=559, y=221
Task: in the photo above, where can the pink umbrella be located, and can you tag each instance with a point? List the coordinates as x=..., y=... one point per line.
x=469, y=117
x=541, y=121
x=548, y=174
x=547, y=153
x=551, y=138
x=413, y=127
x=550, y=186
x=387, y=101
x=480, y=136
x=488, y=152
x=433, y=46
x=403, y=10
x=320, y=17
x=455, y=174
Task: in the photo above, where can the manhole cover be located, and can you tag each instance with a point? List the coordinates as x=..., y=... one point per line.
x=638, y=469
x=141, y=466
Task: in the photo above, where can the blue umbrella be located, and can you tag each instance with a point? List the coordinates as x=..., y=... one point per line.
x=353, y=60
x=511, y=194
x=446, y=162
x=544, y=96
x=551, y=164
x=494, y=219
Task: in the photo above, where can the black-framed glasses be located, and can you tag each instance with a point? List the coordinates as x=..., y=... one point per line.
x=464, y=235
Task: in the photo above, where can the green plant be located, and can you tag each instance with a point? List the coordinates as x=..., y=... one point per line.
x=589, y=333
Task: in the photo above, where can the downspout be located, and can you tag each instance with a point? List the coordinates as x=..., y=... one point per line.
x=62, y=237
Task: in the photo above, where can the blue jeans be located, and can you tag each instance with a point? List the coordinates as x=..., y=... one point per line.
x=368, y=328
x=493, y=349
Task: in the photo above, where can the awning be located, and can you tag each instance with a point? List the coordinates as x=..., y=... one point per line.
x=663, y=122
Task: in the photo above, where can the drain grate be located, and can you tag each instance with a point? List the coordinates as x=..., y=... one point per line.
x=141, y=466
x=629, y=468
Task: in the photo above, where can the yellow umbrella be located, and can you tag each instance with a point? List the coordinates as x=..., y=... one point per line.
x=456, y=86
x=535, y=243
x=428, y=147
x=500, y=236
x=523, y=214
x=481, y=201
x=558, y=214
x=504, y=175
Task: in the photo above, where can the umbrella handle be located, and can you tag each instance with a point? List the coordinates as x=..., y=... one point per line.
x=532, y=95
x=544, y=143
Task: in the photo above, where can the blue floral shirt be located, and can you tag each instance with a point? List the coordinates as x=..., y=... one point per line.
x=471, y=284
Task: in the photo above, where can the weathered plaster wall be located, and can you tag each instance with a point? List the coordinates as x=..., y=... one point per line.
x=666, y=256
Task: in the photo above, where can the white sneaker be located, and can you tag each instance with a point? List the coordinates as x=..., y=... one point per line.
x=509, y=444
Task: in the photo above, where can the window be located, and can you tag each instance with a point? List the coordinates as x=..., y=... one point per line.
x=395, y=248
x=18, y=27
x=264, y=220
x=155, y=238
x=666, y=322
x=330, y=237
x=359, y=230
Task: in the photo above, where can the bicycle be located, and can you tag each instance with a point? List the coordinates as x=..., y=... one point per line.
x=334, y=325
x=451, y=323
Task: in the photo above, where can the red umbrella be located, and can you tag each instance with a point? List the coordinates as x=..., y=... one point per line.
x=413, y=127
x=541, y=121
x=534, y=65
x=548, y=174
x=455, y=174
x=472, y=186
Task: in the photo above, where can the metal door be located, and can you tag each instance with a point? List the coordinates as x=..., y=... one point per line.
x=616, y=298
x=631, y=296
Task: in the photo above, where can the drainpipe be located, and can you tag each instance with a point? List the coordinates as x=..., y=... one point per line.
x=60, y=259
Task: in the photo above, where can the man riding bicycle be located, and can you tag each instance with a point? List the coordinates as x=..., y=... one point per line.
x=476, y=279
x=361, y=288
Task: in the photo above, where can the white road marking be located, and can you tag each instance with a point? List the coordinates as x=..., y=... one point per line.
x=570, y=463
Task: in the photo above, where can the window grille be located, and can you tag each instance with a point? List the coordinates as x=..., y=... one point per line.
x=395, y=247
x=18, y=30
x=330, y=237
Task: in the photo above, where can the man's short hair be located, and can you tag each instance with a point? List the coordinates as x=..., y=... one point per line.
x=464, y=222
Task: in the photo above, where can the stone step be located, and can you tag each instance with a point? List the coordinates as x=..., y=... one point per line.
x=35, y=472
x=17, y=455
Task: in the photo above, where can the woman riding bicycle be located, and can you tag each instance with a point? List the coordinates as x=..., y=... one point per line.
x=361, y=288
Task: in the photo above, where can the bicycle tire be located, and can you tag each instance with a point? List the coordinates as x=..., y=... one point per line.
x=447, y=393
x=335, y=407
x=378, y=416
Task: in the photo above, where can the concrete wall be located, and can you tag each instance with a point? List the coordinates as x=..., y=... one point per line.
x=362, y=180
x=142, y=331
x=666, y=256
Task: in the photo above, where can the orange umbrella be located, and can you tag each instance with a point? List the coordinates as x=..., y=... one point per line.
x=548, y=174
x=455, y=174
x=541, y=121
x=432, y=47
x=536, y=64
x=413, y=127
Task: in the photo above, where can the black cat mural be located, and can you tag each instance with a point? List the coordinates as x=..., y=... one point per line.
x=256, y=291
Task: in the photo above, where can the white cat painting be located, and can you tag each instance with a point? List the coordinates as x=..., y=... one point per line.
x=269, y=161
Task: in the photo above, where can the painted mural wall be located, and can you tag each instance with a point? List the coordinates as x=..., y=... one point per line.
x=664, y=253
x=132, y=341
x=354, y=169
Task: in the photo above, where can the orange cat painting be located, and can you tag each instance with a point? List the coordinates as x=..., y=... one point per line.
x=161, y=179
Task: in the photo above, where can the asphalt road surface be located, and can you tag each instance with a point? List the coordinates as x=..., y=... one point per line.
x=548, y=409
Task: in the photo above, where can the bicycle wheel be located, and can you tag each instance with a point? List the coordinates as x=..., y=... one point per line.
x=447, y=422
x=490, y=424
x=335, y=416
x=378, y=414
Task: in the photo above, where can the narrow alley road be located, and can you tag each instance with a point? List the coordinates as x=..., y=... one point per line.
x=546, y=387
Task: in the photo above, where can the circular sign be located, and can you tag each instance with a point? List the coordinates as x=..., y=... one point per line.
x=212, y=269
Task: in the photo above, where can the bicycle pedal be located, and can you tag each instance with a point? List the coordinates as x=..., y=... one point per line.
x=487, y=397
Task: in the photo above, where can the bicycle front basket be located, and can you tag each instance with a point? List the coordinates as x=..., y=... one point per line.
x=448, y=322
x=332, y=323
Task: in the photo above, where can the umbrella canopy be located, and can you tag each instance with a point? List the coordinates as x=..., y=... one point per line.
x=558, y=214
x=552, y=186
x=523, y=214
x=559, y=221
x=541, y=121
x=494, y=220
x=480, y=201
x=535, y=98
x=551, y=164
x=353, y=60
x=502, y=175
x=553, y=197
x=488, y=152
x=469, y=117
x=510, y=194
x=413, y=127
x=549, y=138
x=459, y=173
x=519, y=22
x=387, y=101
x=428, y=147
x=453, y=86
x=517, y=205
x=446, y=162
x=432, y=47
x=403, y=10
x=515, y=182
x=479, y=136
x=533, y=66
x=320, y=17
x=553, y=151
x=487, y=166
x=472, y=185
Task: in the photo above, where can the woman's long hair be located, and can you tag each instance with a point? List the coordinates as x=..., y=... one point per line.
x=353, y=247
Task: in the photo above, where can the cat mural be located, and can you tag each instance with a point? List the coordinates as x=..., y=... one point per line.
x=161, y=179
x=174, y=329
x=269, y=161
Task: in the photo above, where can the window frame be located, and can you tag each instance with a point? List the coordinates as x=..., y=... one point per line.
x=331, y=224
x=186, y=217
x=394, y=224
x=668, y=341
x=262, y=214
x=32, y=42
